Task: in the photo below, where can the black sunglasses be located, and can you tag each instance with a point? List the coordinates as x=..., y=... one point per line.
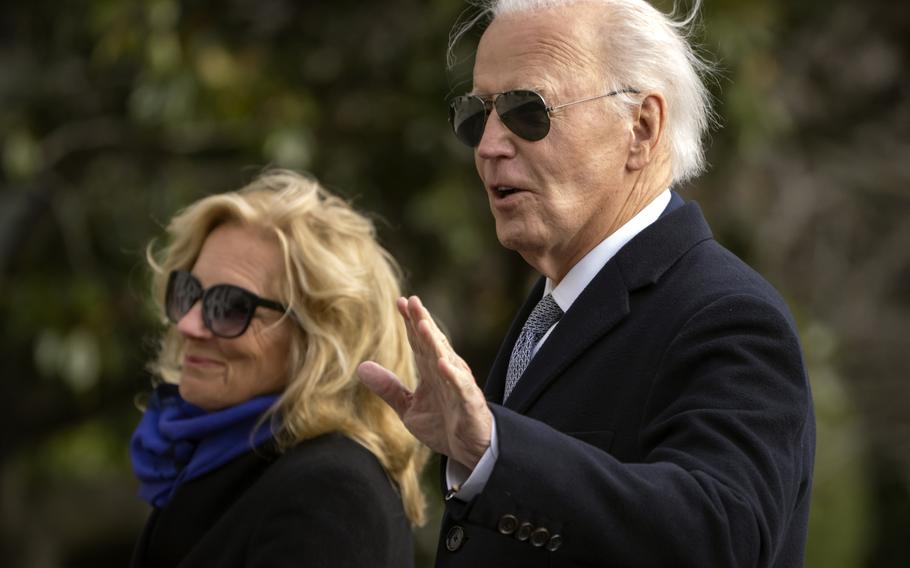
x=524, y=112
x=226, y=309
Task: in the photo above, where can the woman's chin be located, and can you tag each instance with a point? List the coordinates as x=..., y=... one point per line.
x=199, y=393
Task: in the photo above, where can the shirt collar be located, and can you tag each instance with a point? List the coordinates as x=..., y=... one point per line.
x=587, y=268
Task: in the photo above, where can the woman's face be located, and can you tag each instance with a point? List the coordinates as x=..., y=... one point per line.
x=217, y=373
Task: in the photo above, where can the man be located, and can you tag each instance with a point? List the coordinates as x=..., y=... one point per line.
x=649, y=405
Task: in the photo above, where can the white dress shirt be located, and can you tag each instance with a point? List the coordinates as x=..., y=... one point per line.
x=464, y=483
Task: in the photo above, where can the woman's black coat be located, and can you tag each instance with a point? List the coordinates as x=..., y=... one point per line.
x=326, y=502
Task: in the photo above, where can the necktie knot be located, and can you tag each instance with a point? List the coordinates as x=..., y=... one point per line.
x=546, y=313
x=543, y=316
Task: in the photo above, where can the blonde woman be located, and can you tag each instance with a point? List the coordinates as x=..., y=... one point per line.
x=259, y=446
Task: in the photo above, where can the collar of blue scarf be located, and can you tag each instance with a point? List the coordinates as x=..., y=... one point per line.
x=177, y=441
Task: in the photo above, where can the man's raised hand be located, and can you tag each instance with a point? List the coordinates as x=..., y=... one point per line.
x=447, y=411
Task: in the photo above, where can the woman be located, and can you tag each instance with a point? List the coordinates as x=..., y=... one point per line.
x=259, y=446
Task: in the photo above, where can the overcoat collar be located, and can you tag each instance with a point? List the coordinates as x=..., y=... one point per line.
x=601, y=305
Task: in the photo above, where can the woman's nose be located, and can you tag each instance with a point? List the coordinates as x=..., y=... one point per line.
x=192, y=324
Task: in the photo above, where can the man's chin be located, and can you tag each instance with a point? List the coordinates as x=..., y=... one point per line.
x=517, y=239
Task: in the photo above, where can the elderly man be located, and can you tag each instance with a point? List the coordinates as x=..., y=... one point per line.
x=649, y=405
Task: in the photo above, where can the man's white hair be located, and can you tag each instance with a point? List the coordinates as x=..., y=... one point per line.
x=646, y=50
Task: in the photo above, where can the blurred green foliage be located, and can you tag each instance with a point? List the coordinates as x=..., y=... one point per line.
x=841, y=526
x=117, y=113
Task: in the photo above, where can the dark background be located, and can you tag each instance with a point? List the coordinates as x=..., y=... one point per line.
x=114, y=114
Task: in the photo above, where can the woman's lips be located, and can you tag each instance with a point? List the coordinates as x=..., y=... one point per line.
x=197, y=361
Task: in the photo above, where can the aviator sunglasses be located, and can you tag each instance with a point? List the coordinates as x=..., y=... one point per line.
x=226, y=309
x=522, y=111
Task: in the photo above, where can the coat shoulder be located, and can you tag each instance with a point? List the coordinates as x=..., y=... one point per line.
x=328, y=459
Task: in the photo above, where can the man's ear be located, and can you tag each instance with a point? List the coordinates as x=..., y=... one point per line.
x=648, y=122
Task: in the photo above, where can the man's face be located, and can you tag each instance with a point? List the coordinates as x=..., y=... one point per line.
x=572, y=185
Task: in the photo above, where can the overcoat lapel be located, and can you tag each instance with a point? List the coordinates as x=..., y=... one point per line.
x=602, y=305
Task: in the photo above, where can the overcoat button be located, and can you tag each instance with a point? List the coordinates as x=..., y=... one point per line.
x=539, y=537
x=508, y=524
x=455, y=538
x=524, y=531
x=554, y=543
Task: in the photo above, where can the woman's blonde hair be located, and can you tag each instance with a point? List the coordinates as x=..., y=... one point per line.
x=340, y=287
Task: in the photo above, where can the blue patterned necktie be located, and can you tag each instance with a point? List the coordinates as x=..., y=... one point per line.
x=542, y=318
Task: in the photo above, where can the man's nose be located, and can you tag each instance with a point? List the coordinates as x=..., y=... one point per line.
x=497, y=141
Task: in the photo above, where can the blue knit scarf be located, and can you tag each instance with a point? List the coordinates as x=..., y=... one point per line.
x=176, y=441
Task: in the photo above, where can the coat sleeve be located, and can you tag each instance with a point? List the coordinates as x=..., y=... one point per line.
x=726, y=437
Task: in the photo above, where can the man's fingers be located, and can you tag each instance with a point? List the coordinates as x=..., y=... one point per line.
x=456, y=374
x=417, y=310
x=386, y=385
x=402, y=304
x=462, y=364
x=427, y=340
x=423, y=343
x=410, y=325
x=436, y=340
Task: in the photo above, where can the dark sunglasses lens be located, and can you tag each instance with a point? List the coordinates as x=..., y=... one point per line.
x=524, y=113
x=468, y=117
x=228, y=310
x=183, y=290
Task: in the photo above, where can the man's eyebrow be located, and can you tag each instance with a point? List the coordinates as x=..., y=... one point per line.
x=537, y=89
